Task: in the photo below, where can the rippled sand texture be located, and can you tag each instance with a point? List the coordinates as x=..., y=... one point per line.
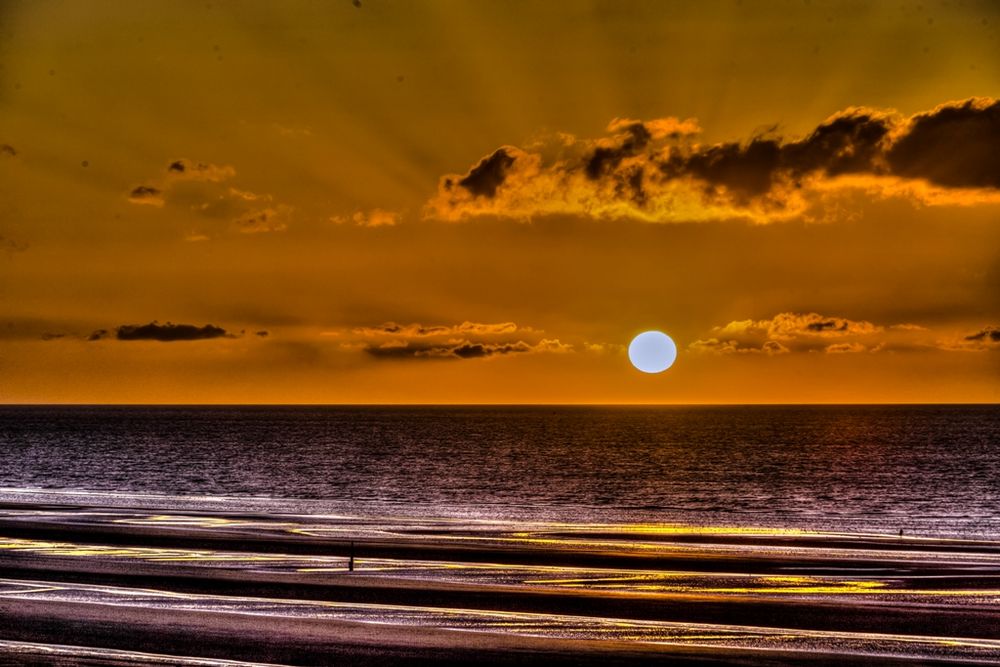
x=111, y=585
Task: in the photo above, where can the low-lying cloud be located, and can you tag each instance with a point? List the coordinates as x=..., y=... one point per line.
x=376, y=217
x=658, y=171
x=789, y=326
x=811, y=332
x=987, y=338
x=262, y=220
x=184, y=169
x=464, y=349
x=989, y=334
x=147, y=195
x=417, y=330
x=464, y=340
x=169, y=332
x=792, y=332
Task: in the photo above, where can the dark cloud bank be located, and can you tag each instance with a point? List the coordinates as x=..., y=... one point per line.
x=954, y=146
x=463, y=350
x=989, y=334
x=165, y=333
x=168, y=333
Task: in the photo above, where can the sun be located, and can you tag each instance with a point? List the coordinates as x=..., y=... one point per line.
x=652, y=352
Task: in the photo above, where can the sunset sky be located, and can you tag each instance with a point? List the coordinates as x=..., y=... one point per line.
x=478, y=202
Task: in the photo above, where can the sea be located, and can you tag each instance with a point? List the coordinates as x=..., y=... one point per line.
x=927, y=470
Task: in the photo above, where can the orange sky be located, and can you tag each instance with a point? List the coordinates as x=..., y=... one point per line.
x=483, y=202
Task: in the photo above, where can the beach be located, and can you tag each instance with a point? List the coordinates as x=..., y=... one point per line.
x=519, y=536
x=134, y=585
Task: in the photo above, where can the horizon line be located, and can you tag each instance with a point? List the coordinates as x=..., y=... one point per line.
x=500, y=404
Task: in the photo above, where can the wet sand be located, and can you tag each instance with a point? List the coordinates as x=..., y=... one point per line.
x=277, y=589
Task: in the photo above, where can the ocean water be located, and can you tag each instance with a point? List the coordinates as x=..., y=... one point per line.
x=929, y=470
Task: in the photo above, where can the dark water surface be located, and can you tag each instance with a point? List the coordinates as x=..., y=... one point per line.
x=931, y=470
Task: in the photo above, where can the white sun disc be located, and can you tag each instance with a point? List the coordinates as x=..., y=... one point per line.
x=652, y=352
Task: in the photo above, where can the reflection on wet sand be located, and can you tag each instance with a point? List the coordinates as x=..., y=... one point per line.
x=527, y=624
x=538, y=577
x=636, y=584
x=30, y=652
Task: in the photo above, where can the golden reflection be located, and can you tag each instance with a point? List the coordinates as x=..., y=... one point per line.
x=617, y=536
x=557, y=626
x=192, y=521
x=613, y=581
x=756, y=585
x=47, y=548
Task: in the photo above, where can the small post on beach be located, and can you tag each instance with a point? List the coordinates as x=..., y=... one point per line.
x=350, y=562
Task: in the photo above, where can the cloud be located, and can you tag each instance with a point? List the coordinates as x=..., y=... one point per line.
x=179, y=170
x=167, y=333
x=844, y=348
x=990, y=334
x=773, y=347
x=463, y=349
x=717, y=346
x=245, y=195
x=811, y=332
x=268, y=219
x=6, y=150
x=795, y=332
x=98, y=334
x=147, y=194
x=793, y=326
x=484, y=179
x=52, y=336
x=956, y=145
x=201, y=190
x=417, y=330
x=376, y=217
x=987, y=338
x=663, y=128
x=658, y=171
x=466, y=340
x=788, y=326
x=184, y=169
